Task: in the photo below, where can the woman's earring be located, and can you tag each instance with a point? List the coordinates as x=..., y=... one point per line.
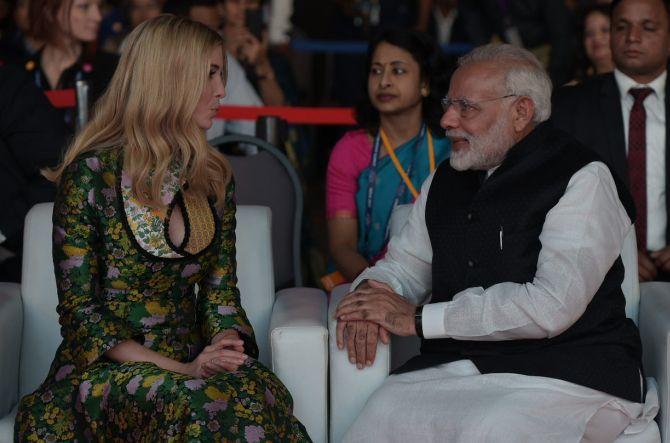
x=424, y=91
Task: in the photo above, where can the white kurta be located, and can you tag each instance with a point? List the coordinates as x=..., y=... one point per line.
x=581, y=238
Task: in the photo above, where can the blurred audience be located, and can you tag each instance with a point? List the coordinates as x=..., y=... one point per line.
x=32, y=136
x=527, y=23
x=69, y=30
x=383, y=164
x=623, y=115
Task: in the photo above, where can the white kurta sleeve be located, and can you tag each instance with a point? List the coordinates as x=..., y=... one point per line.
x=406, y=267
x=581, y=238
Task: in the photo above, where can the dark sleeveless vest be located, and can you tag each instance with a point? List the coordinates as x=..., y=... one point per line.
x=464, y=217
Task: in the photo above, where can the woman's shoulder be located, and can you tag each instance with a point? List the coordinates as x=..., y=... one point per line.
x=353, y=143
x=91, y=165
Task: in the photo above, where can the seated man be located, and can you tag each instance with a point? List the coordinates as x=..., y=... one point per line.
x=518, y=238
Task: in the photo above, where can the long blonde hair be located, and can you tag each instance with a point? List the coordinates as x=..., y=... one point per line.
x=147, y=111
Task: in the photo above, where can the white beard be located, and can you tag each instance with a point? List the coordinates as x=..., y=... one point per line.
x=483, y=152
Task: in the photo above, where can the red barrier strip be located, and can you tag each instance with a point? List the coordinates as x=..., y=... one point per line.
x=65, y=98
x=294, y=115
x=62, y=98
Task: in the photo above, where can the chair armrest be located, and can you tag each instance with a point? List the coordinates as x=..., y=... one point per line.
x=11, y=329
x=655, y=334
x=299, y=346
x=350, y=387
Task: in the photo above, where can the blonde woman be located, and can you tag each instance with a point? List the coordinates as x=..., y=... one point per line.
x=144, y=212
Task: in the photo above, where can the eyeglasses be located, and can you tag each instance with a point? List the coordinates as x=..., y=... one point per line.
x=466, y=108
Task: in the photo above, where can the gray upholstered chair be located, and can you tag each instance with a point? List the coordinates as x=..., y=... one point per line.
x=269, y=179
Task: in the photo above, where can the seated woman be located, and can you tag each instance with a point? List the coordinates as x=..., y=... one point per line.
x=144, y=212
x=69, y=30
x=372, y=170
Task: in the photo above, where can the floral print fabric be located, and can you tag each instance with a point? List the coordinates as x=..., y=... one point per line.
x=111, y=289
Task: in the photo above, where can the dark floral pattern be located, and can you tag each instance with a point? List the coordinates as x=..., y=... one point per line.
x=111, y=290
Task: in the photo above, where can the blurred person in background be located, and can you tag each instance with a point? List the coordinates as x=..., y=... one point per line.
x=445, y=25
x=249, y=43
x=526, y=23
x=595, y=53
x=623, y=116
x=69, y=30
x=381, y=165
x=32, y=137
x=241, y=92
x=120, y=21
x=15, y=42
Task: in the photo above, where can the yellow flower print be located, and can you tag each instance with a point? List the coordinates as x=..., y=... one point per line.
x=150, y=380
x=97, y=390
x=73, y=251
x=215, y=394
x=119, y=284
x=155, y=308
x=109, y=179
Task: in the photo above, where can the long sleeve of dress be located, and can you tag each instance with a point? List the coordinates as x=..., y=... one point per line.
x=88, y=328
x=219, y=305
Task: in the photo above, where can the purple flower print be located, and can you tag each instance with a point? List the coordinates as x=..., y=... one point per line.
x=84, y=391
x=227, y=310
x=93, y=164
x=109, y=194
x=153, y=320
x=154, y=388
x=215, y=406
x=113, y=272
x=64, y=371
x=269, y=397
x=105, y=395
x=58, y=235
x=254, y=434
x=133, y=384
x=71, y=263
x=194, y=384
x=190, y=270
x=91, y=198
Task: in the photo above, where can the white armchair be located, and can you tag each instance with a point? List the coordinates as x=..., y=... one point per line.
x=350, y=387
x=291, y=328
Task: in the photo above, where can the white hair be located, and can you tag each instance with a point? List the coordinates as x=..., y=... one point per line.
x=525, y=74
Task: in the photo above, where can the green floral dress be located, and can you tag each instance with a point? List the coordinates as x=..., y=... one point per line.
x=119, y=277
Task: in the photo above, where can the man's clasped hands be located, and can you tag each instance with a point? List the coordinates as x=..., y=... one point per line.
x=372, y=312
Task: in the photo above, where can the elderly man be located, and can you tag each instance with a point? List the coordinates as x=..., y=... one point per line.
x=518, y=238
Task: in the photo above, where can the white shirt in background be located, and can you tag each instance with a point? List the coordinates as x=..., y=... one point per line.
x=654, y=106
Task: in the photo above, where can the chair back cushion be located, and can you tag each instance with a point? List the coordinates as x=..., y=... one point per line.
x=41, y=331
x=262, y=180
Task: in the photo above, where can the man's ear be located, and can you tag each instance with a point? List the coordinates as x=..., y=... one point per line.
x=524, y=110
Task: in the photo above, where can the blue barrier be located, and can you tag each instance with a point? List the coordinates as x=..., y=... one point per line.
x=360, y=47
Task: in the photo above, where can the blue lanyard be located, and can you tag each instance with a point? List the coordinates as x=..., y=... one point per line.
x=372, y=179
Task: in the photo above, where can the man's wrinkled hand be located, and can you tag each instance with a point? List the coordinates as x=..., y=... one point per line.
x=377, y=303
x=360, y=338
